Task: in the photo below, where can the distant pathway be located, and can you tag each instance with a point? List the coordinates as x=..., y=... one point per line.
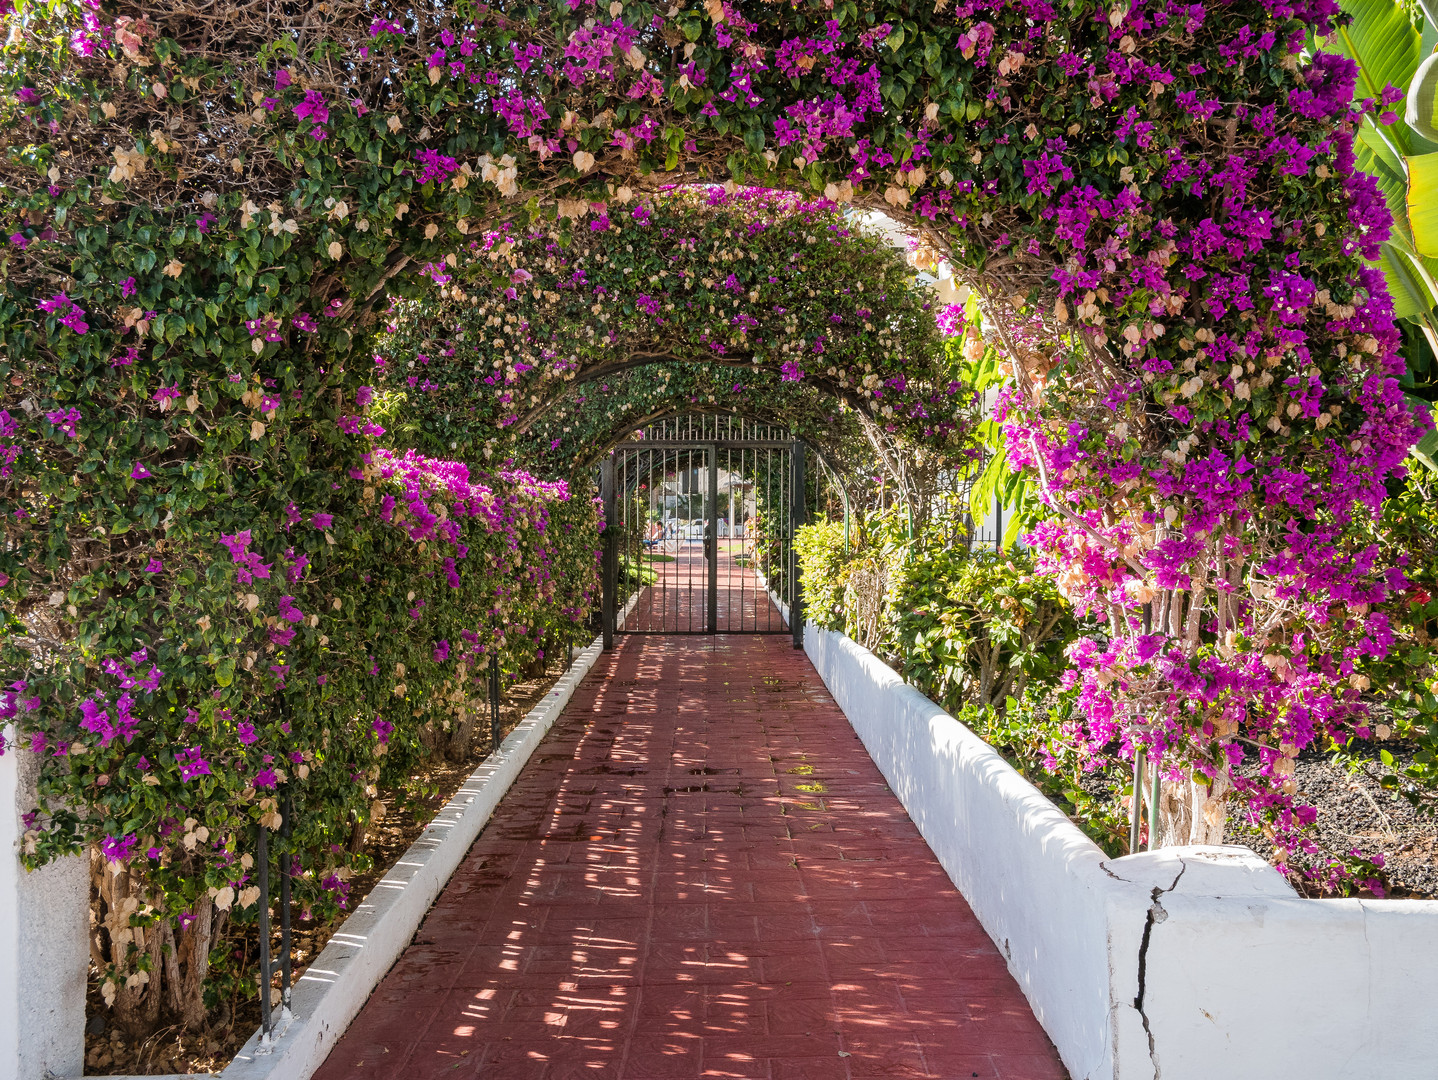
x=676, y=602
x=700, y=873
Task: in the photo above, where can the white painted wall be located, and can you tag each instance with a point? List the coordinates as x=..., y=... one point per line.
x=1241, y=978
x=44, y=951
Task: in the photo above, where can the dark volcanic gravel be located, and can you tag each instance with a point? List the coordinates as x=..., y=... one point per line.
x=1355, y=812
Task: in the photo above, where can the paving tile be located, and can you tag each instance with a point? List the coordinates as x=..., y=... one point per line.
x=699, y=873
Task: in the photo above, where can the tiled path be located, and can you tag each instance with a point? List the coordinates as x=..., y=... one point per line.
x=677, y=602
x=700, y=873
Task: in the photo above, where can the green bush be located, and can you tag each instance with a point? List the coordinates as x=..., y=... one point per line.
x=976, y=627
x=978, y=632
x=172, y=721
x=820, y=548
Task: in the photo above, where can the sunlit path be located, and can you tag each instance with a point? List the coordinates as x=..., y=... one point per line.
x=700, y=873
x=676, y=601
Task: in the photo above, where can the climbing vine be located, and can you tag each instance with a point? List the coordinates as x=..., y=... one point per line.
x=571, y=435
x=757, y=282
x=209, y=213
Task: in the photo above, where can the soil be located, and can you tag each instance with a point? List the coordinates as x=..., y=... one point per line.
x=1354, y=811
x=172, y=1050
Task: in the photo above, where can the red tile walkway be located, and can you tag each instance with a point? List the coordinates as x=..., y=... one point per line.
x=678, y=601
x=700, y=873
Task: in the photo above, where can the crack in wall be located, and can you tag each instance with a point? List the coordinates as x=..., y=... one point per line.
x=1156, y=914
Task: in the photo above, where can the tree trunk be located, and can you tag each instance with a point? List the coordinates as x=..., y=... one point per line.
x=179, y=960
x=1191, y=813
x=540, y=664
x=198, y=939
x=357, y=833
x=463, y=736
x=137, y=1007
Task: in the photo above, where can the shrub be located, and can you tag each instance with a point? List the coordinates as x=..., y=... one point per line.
x=174, y=721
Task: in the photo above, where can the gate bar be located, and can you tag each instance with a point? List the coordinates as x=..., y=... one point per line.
x=798, y=515
x=712, y=526
x=609, y=609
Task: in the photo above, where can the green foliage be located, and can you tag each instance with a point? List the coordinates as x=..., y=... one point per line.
x=1404, y=684
x=820, y=547
x=977, y=632
x=232, y=695
x=771, y=304
x=976, y=627
x=1388, y=40
x=1034, y=734
x=983, y=371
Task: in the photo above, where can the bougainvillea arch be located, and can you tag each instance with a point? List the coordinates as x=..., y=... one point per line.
x=760, y=288
x=571, y=436
x=208, y=212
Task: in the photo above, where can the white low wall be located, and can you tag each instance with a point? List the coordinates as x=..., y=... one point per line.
x=1185, y=963
x=338, y=982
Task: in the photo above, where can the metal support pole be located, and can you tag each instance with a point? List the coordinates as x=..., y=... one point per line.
x=1153, y=803
x=798, y=515
x=1139, y=773
x=262, y=861
x=287, y=811
x=711, y=616
x=1135, y=816
x=494, y=702
x=843, y=495
x=609, y=567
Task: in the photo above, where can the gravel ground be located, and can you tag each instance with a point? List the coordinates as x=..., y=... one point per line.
x=1355, y=812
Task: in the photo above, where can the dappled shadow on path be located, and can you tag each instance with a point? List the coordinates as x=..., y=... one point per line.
x=701, y=873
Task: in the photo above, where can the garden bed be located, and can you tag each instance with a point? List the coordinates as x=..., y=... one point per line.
x=1354, y=811
x=171, y=1050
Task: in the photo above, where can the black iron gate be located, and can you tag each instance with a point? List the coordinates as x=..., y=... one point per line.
x=700, y=513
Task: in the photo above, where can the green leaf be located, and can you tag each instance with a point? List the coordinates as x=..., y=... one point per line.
x=981, y=495
x=1421, y=110
x=1426, y=449
x=1015, y=526
x=1382, y=41
x=1423, y=203
x=225, y=671
x=1410, y=282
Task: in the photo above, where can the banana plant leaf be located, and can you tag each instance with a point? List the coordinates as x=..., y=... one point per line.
x=1423, y=203
x=1412, y=280
x=1426, y=449
x=1384, y=43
